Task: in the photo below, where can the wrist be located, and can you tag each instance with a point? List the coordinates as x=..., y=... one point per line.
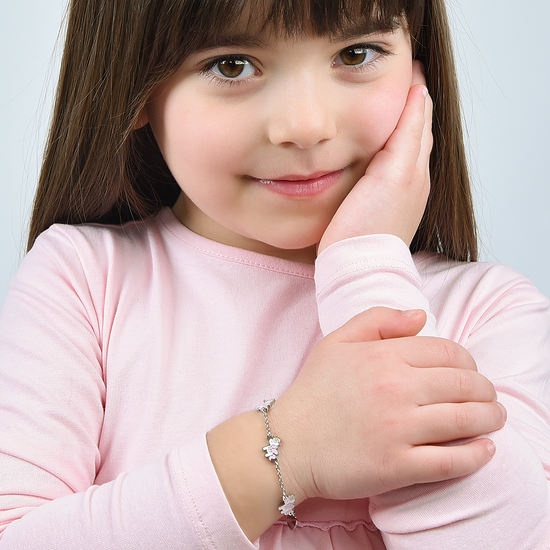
x=283, y=424
x=287, y=508
x=248, y=480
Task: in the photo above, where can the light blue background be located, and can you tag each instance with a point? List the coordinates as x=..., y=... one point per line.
x=504, y=71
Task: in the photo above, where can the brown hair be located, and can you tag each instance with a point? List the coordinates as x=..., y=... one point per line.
x=97, y=168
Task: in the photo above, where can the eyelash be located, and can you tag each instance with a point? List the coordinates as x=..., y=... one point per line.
x=382, y=52
x=207, y=69
x=208, y=73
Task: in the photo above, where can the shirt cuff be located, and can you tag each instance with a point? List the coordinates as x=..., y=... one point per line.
x=209, y=512
x=359, y=273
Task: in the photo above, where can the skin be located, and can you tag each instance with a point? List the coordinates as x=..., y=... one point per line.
x=299, y=111
x=290, y=116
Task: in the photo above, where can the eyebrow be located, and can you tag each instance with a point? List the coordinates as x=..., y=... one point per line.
x=358, y=31
x=238, y=40
x=255, y=40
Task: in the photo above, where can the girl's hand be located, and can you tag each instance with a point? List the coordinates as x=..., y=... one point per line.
x=371, y=404
x=391, y=197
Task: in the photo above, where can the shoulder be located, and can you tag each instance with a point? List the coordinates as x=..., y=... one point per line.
x=94, y=239
x=471, y=294
x=441, y=276
x=95, y=248
x=90, y=258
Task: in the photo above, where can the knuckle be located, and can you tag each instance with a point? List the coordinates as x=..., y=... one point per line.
x=430, y=103
x=462, y=418
x=385, y=468
x=383, y=352
x=465, y=383
x=389, y=386
x=446, y=466
x=451, y=353
x=401, y=472
x=428, y=141
x=415, y=144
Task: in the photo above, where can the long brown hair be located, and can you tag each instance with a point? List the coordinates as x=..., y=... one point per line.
x=98, y=168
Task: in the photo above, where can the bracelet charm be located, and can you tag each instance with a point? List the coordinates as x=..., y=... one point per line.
x=271, y=452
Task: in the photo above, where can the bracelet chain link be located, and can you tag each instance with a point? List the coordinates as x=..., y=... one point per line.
x=271, y=451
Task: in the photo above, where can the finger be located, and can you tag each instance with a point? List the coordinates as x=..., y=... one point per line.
x=379, y=323
x=414, y=124
x=405, y=155
x=426, y=464
x=428, y=352
x=427, y=137
x=407, y=136
x=399, y=157
x=446, y=422
x=451, y=385
x=419, y=79
x=418, y=74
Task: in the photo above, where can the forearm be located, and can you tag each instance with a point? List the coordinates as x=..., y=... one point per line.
x=503, y=322
x=172, y=502
x=365, y=272
x=503, y=506
x=248, y=479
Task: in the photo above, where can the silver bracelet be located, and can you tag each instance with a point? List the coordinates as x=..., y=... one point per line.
x=271, y=453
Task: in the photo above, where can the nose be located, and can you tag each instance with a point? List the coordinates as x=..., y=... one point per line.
x=302, y=114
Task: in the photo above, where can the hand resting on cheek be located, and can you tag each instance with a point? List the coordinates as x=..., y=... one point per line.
x=391, y=197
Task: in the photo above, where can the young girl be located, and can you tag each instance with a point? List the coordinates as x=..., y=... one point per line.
x=237, y=189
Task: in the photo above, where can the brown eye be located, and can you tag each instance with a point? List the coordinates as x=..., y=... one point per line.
x=354, y=56
x=233, y=68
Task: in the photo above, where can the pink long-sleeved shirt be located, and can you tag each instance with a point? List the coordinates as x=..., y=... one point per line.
x=121, y=347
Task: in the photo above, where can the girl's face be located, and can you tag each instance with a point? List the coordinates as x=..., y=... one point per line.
x=267, y=137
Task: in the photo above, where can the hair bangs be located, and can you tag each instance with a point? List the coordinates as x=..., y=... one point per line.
x=194, y=25
x=101, y=166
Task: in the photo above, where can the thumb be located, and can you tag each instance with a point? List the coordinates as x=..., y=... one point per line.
x=380, y=323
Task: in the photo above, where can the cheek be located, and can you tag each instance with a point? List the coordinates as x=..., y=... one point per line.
x=380, y=112
x=204, y=138
x=180, y=140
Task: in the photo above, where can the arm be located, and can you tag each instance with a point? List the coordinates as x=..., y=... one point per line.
x=506, y=327
x=52, y=392
x=355, y=403
x=505, y=504
x=306, y=412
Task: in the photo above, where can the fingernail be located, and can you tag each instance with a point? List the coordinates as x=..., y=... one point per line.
x=425, y=91
x=491, y=448
x=411, y=312
x=503, y=411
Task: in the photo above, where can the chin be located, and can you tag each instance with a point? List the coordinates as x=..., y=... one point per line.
x=295, y=245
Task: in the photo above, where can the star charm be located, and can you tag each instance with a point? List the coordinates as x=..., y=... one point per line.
x=267, y=405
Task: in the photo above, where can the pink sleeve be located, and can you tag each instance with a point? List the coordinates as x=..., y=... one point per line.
x=363, y=272
x=52, y=395
x=174, y=502
x=504, y=322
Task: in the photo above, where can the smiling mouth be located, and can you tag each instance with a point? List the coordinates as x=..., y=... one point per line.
x=309, y=185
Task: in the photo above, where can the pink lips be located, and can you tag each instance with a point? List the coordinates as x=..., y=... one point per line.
x=302, y=186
